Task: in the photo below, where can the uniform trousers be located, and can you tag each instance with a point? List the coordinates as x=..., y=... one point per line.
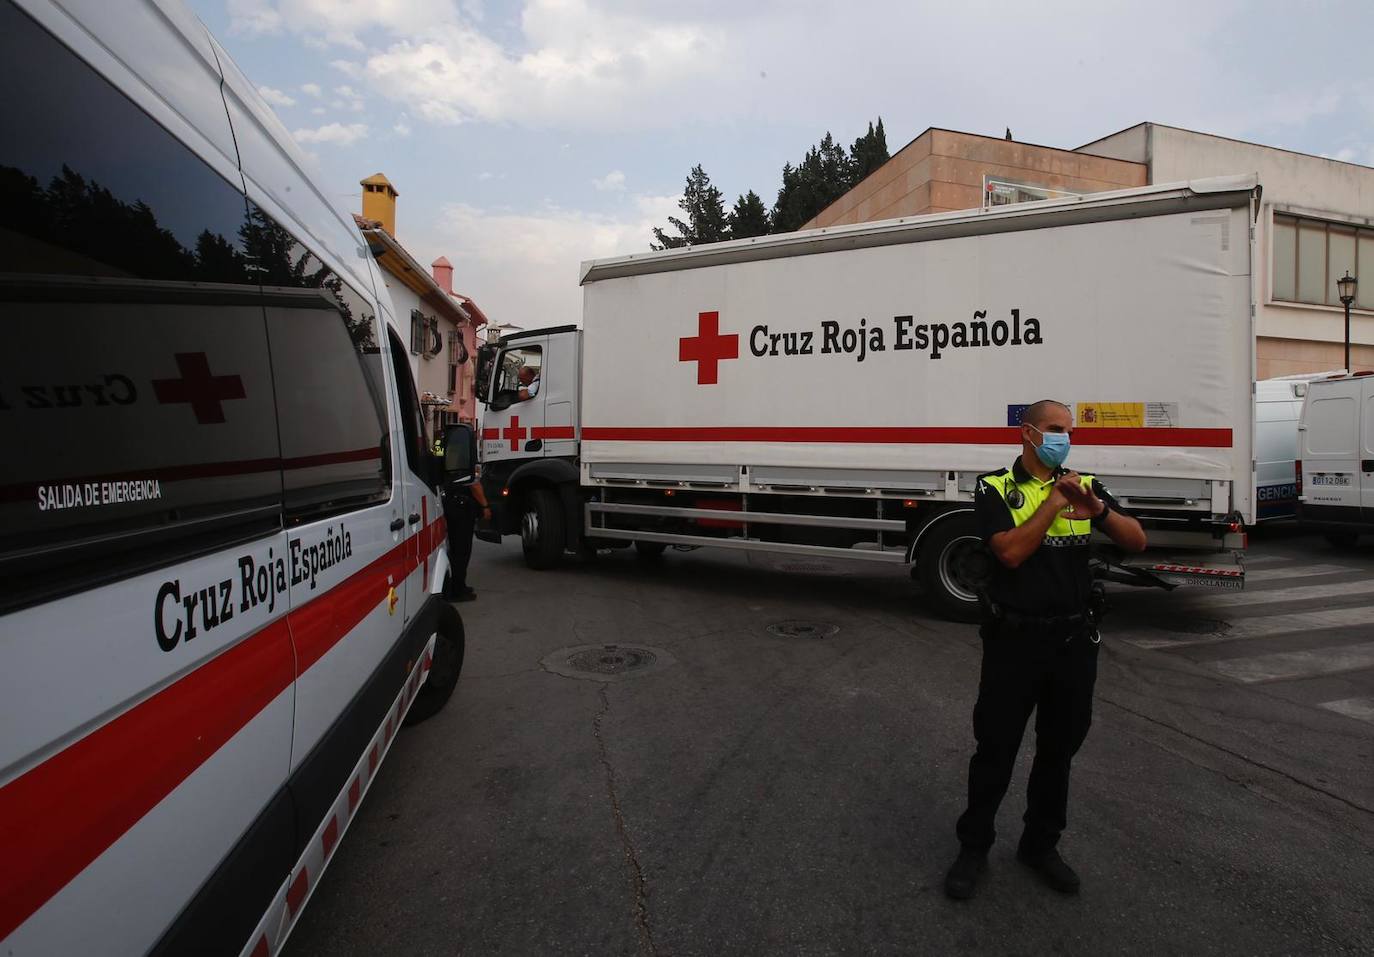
x=460, y=515
x=1028, y=668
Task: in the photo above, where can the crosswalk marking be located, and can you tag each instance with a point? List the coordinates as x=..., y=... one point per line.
x=1361, y=709
x=1263, y=559
x=1301, y=571
x=1297, y=664
x=1268, y=627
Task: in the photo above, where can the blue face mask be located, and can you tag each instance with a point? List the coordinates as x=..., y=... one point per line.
x=1053, y=449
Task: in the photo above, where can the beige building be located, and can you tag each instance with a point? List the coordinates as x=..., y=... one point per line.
x=942, y=170
x=1316, y=220
x=438, y=325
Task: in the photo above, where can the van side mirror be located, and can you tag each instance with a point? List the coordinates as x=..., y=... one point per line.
x=460, y=453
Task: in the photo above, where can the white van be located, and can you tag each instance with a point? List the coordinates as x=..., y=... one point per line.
x=221, y=544
x=1278, y=407
x=1337, y=467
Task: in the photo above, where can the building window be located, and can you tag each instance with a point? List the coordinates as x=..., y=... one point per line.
x=424, y=334
x=1309, y=255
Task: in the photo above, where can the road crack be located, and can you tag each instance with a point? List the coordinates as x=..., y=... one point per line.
x=1243, y=758
x=638, y=893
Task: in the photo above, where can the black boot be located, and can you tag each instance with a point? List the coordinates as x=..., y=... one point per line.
x=1052, y=869
x=961, y=881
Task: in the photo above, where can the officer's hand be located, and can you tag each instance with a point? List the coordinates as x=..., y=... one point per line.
x=1082, y=502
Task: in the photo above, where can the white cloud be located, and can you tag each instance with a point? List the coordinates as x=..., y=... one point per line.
x=276, y=97
x=402, y=127
x=313, y=89
x=347, y=67
x=319, y=111
x=526, y=264
x=612, y=182
x=254, y=16
x=580, y=63
x=335, y=133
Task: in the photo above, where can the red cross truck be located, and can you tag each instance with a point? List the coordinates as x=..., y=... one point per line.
x=837, y=392
x=221, y=545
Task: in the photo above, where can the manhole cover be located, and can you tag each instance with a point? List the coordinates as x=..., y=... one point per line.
x=803, y=629
x=607, y=662
x=611, y=659
x=1187, y=625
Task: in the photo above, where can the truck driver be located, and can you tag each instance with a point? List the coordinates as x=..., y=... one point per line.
x=1040, y=642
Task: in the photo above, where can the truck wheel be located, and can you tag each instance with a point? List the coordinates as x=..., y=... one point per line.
x=650, y=550
x=950, y=564
x=443, y=669
x=541, y=529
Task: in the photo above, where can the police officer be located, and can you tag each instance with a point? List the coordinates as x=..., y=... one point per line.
x=463, y=502
x=1040, y=642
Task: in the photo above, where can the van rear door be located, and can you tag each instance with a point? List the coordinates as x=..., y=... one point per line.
x=1331, y=439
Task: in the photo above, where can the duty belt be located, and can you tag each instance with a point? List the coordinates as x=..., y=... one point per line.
x=1053, y=622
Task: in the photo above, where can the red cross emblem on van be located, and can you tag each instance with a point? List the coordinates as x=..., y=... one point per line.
x=205, y=393
x=708, y=347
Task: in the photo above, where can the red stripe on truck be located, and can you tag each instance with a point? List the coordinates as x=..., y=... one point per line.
x=59, y=816
x=897, y=435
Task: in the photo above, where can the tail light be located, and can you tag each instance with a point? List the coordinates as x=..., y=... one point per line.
x=1297, y=474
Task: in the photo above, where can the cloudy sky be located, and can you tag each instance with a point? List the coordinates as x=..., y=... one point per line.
x=526, y=137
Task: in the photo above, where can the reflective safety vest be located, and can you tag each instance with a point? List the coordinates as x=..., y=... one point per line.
x=1023, y=498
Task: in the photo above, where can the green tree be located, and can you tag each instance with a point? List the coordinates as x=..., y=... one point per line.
x=822, y=177
x=868, y=153
x=748, y=218
x=705, y=209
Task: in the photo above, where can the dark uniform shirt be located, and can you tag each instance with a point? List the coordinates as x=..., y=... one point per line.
x=1055, y=579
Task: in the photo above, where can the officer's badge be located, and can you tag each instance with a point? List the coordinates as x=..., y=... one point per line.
x=1015, y=498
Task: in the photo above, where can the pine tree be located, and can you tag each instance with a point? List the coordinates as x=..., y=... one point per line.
x=868, y=153
x=823, y=177
x=705, y=209
x=749, y=217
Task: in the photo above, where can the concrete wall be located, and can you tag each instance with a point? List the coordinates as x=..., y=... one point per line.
x=942, y=170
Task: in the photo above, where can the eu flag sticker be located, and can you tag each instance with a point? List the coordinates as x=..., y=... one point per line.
x=1015, y=413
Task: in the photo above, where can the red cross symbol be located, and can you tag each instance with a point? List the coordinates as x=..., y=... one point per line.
x=515, y=433
x=708, y=347
x=205, y=392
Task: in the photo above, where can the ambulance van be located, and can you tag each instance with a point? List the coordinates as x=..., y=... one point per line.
x=221, y=544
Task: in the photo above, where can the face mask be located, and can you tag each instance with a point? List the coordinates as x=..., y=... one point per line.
x=1053, y=449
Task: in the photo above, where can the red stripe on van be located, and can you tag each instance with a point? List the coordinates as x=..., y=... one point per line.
x=53, y=825
x=59, y=816
x=896, y=435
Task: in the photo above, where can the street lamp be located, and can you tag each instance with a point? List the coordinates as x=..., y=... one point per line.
x=1346, y=286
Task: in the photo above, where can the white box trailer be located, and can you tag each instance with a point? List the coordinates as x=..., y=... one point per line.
x=839, y=391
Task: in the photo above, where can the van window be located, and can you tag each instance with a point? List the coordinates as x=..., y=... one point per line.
x=1331, y=426
x=136, y=390
x=327, y=365
x=413, y=436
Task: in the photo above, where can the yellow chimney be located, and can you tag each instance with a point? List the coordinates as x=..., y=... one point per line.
x=379, y=201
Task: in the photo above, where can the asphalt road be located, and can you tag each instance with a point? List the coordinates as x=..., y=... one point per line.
x=754, y=794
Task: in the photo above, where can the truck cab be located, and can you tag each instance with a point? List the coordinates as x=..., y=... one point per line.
x=1337, y=457
x=528, y=383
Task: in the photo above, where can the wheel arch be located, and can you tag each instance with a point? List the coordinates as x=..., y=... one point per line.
x=562, y=476
x=924, y=529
